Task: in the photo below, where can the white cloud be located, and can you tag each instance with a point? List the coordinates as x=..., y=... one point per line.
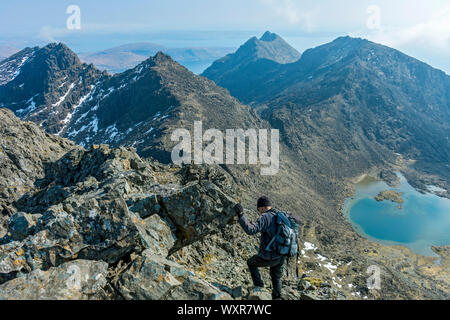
x=46, y=34
x=293, y=13
x=432, y=33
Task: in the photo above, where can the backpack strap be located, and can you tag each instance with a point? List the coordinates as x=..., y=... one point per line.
x=275, y=213
x=271, y=241
x=287, y=266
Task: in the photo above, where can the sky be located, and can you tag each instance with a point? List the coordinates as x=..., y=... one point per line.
x=416, y=27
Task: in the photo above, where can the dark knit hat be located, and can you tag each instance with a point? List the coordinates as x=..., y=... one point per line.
x=263, y=202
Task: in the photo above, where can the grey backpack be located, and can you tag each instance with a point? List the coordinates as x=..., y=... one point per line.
x=285, y=240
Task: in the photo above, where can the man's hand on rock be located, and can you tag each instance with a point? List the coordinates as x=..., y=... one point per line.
x=238, y=209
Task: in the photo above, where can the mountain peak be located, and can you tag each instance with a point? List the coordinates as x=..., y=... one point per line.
x=61, y=52
x=162, y=58
x=59, y=46
x=255, y=54
x=269, y=37
x=270, y=47
x=348, y=40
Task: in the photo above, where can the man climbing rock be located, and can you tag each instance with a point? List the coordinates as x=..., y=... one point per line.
x=267, y=255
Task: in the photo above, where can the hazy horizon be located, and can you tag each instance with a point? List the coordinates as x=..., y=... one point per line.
x=421, y=30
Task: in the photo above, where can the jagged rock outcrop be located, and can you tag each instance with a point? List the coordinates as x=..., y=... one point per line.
x=107, y=206
x=25, y=150
x=152, y=277
x=97, y=204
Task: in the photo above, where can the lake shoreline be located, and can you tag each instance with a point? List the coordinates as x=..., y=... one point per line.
x=361, y=196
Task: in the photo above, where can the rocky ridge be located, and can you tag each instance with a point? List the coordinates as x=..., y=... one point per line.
x=22, y=162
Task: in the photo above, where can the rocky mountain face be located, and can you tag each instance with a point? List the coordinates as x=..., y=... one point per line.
x=142, y=106
x=132, y=108
x=10, y=68
x=235, y=70
x=44, y=85
x=128, y=56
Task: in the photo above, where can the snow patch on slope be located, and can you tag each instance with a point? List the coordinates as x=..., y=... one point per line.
x=61, y=99
x=10, y=69
x=74, y=110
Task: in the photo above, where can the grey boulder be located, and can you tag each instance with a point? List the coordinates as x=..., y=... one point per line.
x=75, y=280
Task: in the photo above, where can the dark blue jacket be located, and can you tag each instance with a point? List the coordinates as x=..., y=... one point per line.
x=266, y=224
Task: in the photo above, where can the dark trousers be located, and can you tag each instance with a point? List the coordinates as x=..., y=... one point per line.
x=276, y=272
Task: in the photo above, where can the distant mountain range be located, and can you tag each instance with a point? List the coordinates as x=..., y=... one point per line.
x=124, y=57
x=350, y=100
x=344, y=109
x=345, y=92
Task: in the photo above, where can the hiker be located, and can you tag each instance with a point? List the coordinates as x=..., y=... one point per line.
x=267, y=255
